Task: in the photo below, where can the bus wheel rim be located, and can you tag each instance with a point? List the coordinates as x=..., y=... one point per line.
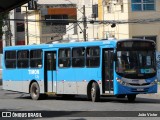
x=35, y=91
x=93, y=92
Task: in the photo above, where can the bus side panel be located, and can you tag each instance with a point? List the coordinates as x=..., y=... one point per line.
x=60, y=87
x=36, y=75
x=66, y=79
x=11, y=85
x=20, y=79
x=26, y=84
x=84, y=76
x=75, y=80
x=10, y=81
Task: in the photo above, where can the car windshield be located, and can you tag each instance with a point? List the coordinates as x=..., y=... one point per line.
x=133, y=64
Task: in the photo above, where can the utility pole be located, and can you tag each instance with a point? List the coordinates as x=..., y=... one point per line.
x=27, y=25
x=84, y=23
x=9, y=33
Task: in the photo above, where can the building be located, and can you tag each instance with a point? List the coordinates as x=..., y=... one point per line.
x=14, y=29
x=36, y=30
x=116, y=18
x=43, y=32
x=131, y=19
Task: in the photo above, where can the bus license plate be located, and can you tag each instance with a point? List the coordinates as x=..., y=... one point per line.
x=140, y=89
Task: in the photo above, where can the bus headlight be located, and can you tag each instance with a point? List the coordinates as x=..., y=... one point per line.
x=122, y=82
x=154, y=82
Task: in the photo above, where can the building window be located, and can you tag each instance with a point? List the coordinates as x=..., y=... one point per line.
x=23, y=59
x=78, y=57
x=122, y=8
x=64, y=57
x=142, y=5
x=92, y=57
x=20, y=27
x=36, y=58
x=109, y=9
x=18, y=9
x=95, y=11
x=10, y=59
x=56, y=20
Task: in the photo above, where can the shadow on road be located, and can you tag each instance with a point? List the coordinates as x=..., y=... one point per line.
x=152, y=99
x=103, y=99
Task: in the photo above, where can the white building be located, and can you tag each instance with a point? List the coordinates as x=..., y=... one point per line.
x=14, y=29
x=42, y=32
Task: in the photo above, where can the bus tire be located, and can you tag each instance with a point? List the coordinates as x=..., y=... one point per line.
x=35, y=91
x=121, y=96
x=131, y=97
x=95, y=92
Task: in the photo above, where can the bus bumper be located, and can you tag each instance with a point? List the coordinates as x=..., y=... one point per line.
x=135, y=90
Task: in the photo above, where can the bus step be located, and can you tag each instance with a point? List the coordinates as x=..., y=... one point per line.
x=107, y=94
x=50, y=93
x=110, y=92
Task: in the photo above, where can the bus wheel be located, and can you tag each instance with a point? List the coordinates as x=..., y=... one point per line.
x=95, y=92
x=131, y=98
x=35, y=91
x=121, y=96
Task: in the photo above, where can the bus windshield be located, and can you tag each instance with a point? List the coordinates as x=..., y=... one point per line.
x=136, y=64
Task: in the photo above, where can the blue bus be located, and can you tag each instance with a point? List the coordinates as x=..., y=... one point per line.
x=97, y=68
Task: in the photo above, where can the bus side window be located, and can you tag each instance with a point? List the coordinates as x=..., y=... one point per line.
x=23, y=59
x=36, y=58
x=93, y=57
x=64, y=57
x=78, y=57
x=10, y=59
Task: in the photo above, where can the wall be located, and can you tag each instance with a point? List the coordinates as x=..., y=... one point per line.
x=120, y=31
x=149, y=29
x=34, y=28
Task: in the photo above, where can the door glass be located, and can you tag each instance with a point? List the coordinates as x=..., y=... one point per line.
x=51, y=61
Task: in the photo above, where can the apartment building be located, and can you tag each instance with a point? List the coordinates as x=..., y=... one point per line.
x=128, y=19
x=14, y=30
x=39, y=30
x=131, y=19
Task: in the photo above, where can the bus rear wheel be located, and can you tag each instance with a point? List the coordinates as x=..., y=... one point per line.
x=95, y=92
x=35, y=91
x=131, y=98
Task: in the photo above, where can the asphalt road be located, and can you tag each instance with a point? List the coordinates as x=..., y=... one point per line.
x=13, y=101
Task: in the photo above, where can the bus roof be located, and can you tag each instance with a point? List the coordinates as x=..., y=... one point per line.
x=111, y=43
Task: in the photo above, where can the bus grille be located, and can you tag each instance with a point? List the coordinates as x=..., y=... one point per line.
x=135, y=84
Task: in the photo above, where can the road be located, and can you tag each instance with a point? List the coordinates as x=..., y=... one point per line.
x=13, y=101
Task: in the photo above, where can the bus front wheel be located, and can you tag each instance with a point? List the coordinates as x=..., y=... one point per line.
x=131, y=98
x=35, y=91
x=95, y=92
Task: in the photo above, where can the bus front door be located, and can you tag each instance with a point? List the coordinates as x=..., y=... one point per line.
x=50, y=71
x=107, y=71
